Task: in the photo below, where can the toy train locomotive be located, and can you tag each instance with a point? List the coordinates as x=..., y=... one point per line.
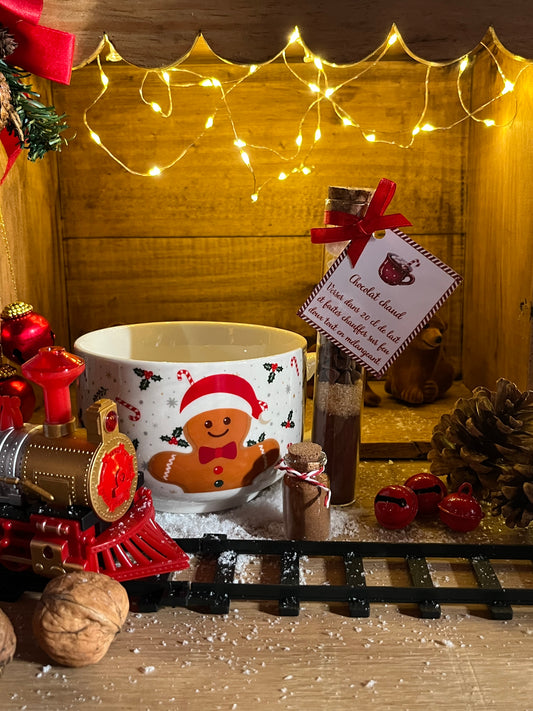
x=70, y=497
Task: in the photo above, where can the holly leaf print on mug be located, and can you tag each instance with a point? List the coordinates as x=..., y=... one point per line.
x=251, y=442
x=146, y=376
x=100, y=393
x=288, y=423
x=272, y=369
x=175, y=438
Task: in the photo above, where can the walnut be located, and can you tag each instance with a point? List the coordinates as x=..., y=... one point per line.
x=78, y=616
x=8, y=641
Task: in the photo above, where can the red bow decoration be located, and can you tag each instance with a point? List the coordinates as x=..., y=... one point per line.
x=228, y=451
x=43, y=51
x=40, y=50
x=358, y=230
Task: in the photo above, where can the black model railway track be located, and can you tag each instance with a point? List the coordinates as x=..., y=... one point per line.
x=288, y=593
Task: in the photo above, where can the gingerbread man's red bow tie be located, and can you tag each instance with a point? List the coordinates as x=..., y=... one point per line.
x=228, y=451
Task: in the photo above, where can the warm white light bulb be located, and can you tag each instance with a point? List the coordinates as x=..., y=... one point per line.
x=206, y=82
x=239, y=143
x=252, y=68
x=104, y=79
x=295, y=35
x=370, y=137
x=245, y=158
x=346, y=121
x=155, y=107
x=166, y=77
x=428, y=127
x=282, y=176
x=415, y=130
x=95, y=137
x=329, y=92
x=254, y=197
x=209, y=122
x=489, y=122
x=317, y=62
x=318, y=135
x=314, y=88
x=154, y=171
x=392, y=39
x=463, y=65
x=306, y=170
x=299, y=139
x=509, y=86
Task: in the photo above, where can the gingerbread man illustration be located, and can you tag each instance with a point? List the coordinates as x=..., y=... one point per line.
x=219, y=458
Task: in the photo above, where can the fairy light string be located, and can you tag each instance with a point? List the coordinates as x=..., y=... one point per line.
x=324, y=88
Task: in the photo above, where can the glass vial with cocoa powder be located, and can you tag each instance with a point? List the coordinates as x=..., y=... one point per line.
x=306, y=494
x=339, y=379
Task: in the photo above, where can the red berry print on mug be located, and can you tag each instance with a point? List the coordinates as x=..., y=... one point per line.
x=218, y=411
x=288, y=423
x=272, y=369
x=146, y=377
x=175, y=438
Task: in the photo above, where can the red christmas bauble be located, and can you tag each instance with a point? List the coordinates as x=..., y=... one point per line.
x=395, y=506
x=11, y=383
x=429, y=489
x=23, y=332
x=460, y=511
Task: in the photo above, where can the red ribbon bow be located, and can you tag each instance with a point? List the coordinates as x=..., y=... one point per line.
x=40, y=50
x=358, y=230
x=228, y=451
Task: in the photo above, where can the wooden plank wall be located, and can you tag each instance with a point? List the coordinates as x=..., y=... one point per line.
x=190, y=244
x=499, y=284
x=29, y=205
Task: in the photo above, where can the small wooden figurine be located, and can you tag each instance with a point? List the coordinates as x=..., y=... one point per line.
x=421, y=373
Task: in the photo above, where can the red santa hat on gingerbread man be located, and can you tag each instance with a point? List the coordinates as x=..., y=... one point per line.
x=234, y=393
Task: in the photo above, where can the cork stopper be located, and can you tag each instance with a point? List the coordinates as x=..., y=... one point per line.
x=354, y=201
x=306, y=456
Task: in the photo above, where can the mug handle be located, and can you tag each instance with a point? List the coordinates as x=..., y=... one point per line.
x=410, y=279
x=310, y=365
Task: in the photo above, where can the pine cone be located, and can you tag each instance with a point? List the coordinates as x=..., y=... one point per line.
x=488, y=441
x=8, y=115
x=8, y=43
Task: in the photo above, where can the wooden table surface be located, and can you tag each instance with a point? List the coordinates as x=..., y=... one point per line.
x=253, y=658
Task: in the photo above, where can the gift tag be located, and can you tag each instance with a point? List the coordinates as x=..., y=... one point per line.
x=373, y=309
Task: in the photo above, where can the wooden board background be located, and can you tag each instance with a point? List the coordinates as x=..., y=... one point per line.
x=190, y=244
x=499, y=284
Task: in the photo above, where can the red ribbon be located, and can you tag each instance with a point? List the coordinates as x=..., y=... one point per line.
x=228, y=451
x=358, y=230
x=43, y=51
x=40, y=50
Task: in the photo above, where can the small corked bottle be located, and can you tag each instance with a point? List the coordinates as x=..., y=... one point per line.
x=339, y=379
x=306, y=493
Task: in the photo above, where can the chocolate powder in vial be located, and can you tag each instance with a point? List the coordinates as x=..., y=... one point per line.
x=305, y=511
x=339, y=380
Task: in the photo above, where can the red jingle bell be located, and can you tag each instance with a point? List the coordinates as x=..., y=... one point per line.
x=460, y=511
x=12, y=384
x=395, y=506
x=430, y=491
x=23, y=332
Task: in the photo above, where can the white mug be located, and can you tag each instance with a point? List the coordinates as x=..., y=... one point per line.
x=210, y=407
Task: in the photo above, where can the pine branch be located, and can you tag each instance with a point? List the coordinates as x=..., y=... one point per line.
x=40, y=125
